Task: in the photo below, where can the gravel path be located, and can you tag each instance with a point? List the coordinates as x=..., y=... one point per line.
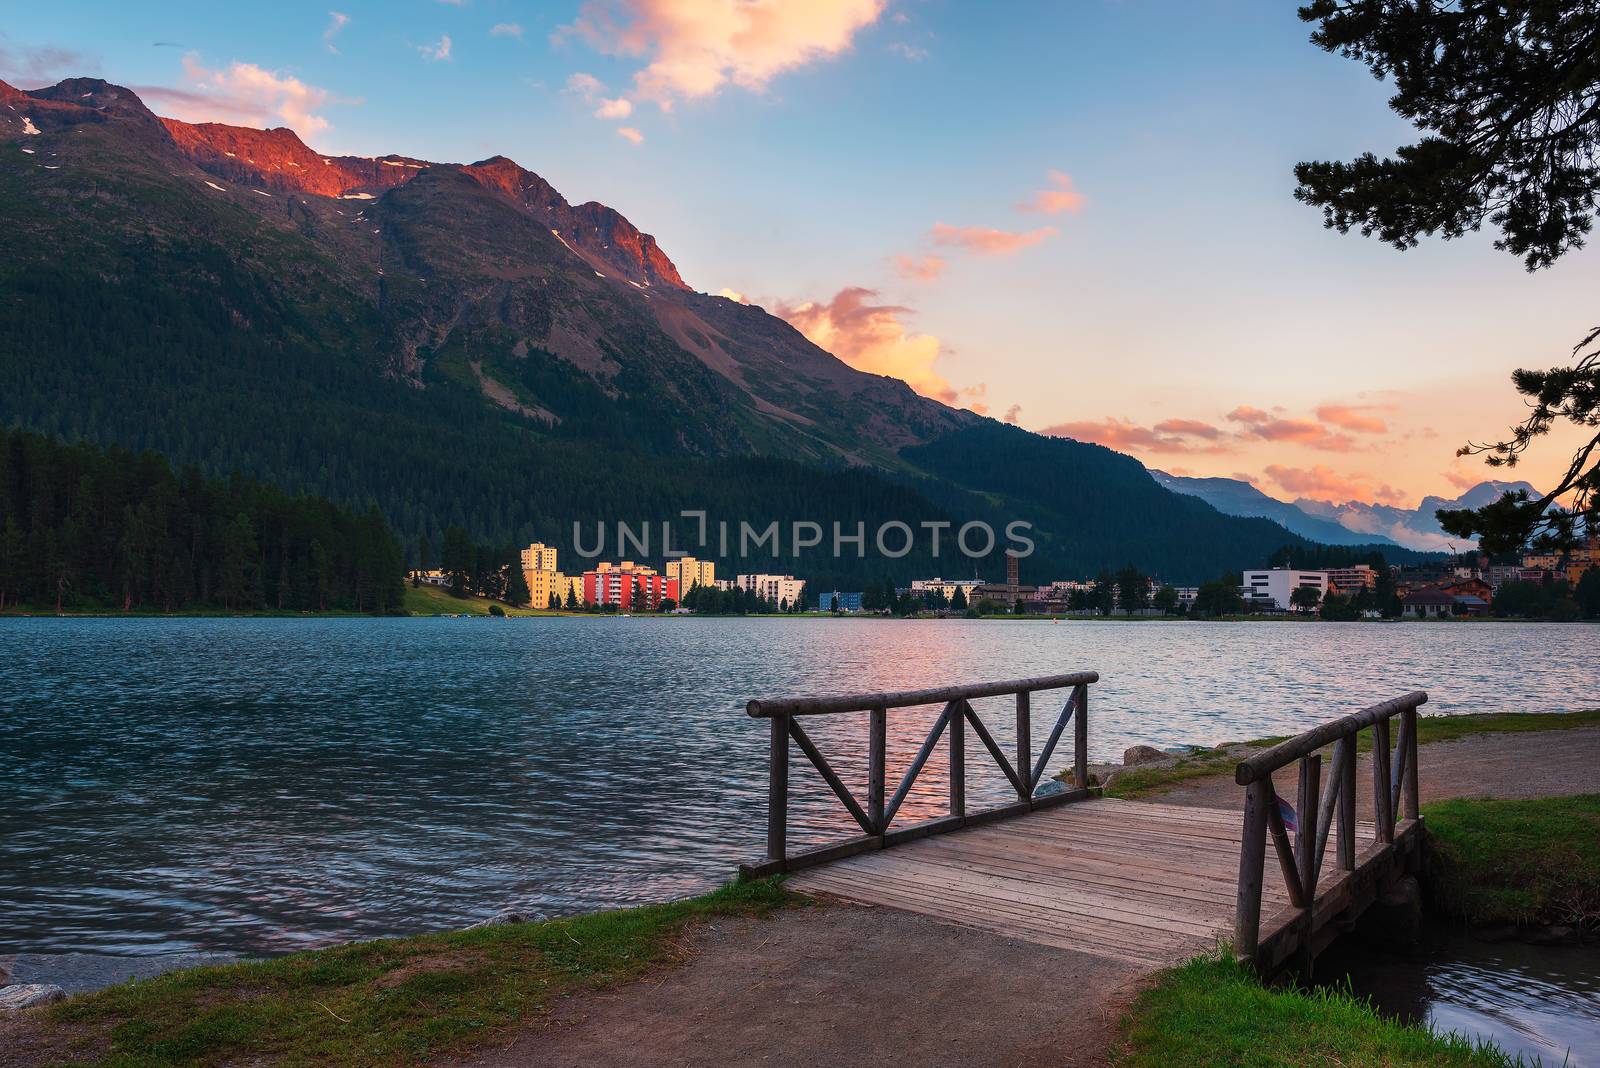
x=842, y=985
x=1550, y=763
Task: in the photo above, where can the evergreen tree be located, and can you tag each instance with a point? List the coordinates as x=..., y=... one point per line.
x=517, y=585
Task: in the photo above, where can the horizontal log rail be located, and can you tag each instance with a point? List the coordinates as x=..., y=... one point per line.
x=1318, y=809
x=876, y=817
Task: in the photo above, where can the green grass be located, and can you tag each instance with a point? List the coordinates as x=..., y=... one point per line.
x=1200, y=764
x=1520, y=862
x=1445, y=728
x=395, y=1001
x=1203, y=763
x=1212, y=1012
x=428, y=600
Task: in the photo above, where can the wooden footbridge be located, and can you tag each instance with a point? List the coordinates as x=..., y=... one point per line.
x=1143, y=882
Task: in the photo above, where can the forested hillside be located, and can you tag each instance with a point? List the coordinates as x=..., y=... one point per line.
x=86, y=528
x=467, y=349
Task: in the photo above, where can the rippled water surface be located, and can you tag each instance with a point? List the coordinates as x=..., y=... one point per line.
x=1541, y=1003
x=263, y=785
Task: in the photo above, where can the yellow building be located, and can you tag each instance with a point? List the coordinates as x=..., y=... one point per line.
x=1580, y=559
x=690, y=573
x=539, y=557
x=539, y=572
x=541, y=584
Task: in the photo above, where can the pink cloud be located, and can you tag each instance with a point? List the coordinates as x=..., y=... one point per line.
x=1172, y=436
x=1190, y=427
x=1325, y=484
x=1356, y=417
x=1246, y=414
x=243, y=94
x=986, y=241
x=1307, y=432
x=920, y=268
x=692, y=50
x=871, y=337
x=1059, y=196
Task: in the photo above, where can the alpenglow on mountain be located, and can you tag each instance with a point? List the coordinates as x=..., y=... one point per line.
x=461, y=344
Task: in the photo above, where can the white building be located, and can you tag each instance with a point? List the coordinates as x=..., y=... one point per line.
x=779, y=589
x=1275, y=587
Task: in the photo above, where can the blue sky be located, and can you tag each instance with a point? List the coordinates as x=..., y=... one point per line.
x=801, y=152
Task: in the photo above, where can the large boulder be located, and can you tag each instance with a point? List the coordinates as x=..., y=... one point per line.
x=1142, y=754
x=27, y=995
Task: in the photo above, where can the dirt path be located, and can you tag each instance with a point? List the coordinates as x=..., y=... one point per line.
x=843, y=984
x=1549, y=763
x=837, y=985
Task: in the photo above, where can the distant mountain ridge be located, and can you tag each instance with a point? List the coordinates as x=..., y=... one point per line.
x=461, y=344
x=1350, y=523
x=1232, y=496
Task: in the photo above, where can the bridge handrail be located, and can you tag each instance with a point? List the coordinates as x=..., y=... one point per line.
x=877, y=815
x=1268, y=761
x=1319, y=809
x=866, y=702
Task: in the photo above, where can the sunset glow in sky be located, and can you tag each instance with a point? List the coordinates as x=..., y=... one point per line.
x=1077, y=217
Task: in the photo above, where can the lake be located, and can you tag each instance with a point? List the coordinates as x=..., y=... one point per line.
x=263, y=785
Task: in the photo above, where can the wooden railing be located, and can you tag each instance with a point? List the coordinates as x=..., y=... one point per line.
x=877, y=815
x=1319, y=807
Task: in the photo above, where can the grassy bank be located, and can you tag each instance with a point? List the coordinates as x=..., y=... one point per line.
x=434, y=601
x=1140, y=782
x=1520, y=862
x=1212, y=1012
x=395, y=1001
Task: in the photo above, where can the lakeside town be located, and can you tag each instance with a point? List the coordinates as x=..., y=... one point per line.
x=1544, y=585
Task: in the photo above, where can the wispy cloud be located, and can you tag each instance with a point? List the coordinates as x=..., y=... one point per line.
x=33, y=67
x=1357, y=417
x=438, y=52
x=1173, y=436
x=244, y=94
x=1057, y=197
x=337, y=21
x=592, y=91
x=506, y=29
x=628, y=133
x=1308, y=432
x=693, y=50
x=920, y=268
x=1325, y=484
x=988, y=241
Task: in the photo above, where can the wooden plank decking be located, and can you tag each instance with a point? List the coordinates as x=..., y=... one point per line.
x=1143, y=882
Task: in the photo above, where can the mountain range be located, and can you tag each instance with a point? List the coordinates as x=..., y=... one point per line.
x=1350, y=523
x=460, y=344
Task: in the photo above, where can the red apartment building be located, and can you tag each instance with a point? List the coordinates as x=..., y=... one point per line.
x=628, y=586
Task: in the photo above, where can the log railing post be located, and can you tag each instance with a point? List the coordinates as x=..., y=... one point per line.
x=877, y=746
x=1382, y=801
x=778, y=790
x=1024, y=743
x=1307, y=814
x=1080, y=738
x=1344, y=760
x=958, y=758
x=1410, y=805
x=1252, y=859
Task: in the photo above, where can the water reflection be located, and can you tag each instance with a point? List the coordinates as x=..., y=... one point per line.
x=263, y=785
x=1534, y=1001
